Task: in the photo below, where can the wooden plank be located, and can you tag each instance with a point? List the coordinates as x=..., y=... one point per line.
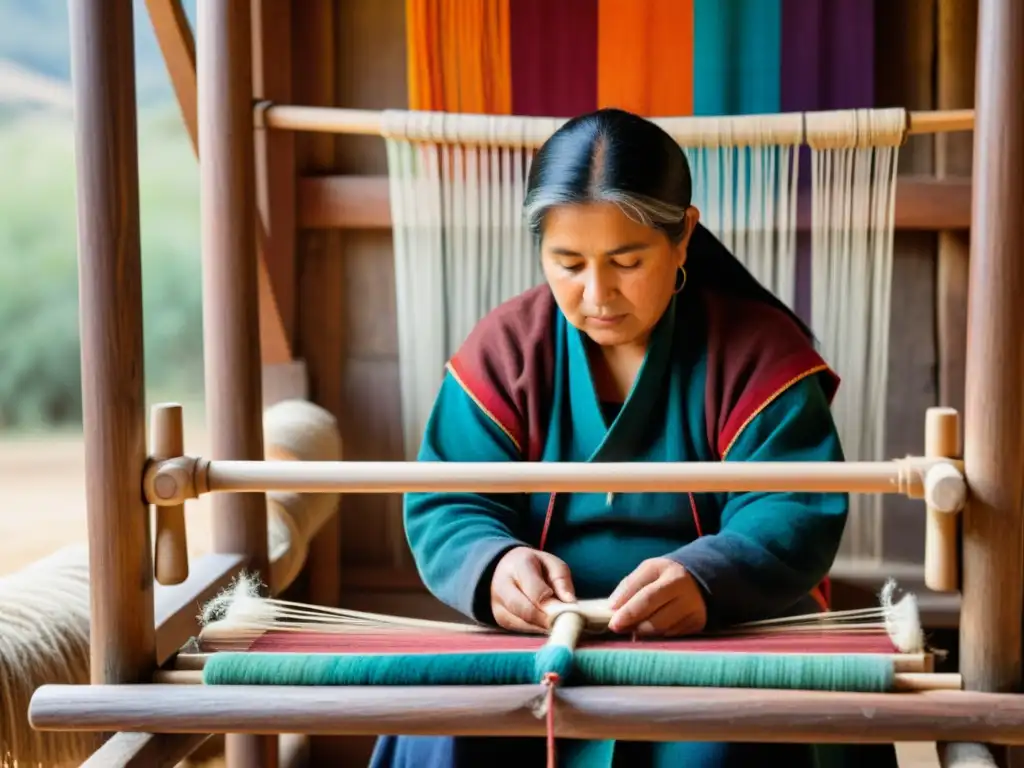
x=275, y=178
x=957, y=30
x=146, y=750
x=362, y=202
x=320, y=329
x=344, y=202
x=178, y=46
x=176, y=607
x=372, y=386
x=284, y=381
x=369, y=73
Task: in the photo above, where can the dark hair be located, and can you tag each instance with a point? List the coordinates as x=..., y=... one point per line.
x=615, y=156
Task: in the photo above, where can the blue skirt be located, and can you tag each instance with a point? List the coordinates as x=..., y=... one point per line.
x=529, y=752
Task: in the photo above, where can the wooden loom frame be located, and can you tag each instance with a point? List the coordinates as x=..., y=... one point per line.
x=132, y=633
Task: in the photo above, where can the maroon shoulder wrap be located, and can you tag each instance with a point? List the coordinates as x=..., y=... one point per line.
x=755, y=353
x=507, y=364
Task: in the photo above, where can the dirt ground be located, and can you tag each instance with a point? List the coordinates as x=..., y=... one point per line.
x=42, y=508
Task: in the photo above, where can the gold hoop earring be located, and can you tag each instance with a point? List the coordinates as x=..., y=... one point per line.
x=679, y=288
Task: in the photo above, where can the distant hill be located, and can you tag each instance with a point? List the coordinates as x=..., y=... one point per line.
x=34, y=38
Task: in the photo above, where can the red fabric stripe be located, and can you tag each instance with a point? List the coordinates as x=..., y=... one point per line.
x=547, y=522
x=554, y=57
x=447, y=642
x=491, y=400
x=696, y=515
x=759, y=393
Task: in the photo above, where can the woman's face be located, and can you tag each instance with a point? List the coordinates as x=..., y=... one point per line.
x=611, y=276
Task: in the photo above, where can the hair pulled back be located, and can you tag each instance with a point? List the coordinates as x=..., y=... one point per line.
x=614, y=156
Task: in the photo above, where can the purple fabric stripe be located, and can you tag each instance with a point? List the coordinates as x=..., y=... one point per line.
x=554, y=57
x=828, y=62
x=828, y=54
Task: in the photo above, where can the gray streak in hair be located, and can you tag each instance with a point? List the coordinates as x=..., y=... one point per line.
x=640, y=208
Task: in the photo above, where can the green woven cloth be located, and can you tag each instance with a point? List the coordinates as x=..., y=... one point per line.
x=821, y=672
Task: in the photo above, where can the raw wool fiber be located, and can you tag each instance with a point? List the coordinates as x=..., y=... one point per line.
x=44, y=607
x=44, y=638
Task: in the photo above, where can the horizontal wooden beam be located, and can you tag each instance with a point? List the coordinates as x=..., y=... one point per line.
x=361, y=202
x=344, y=202
x=582, y=712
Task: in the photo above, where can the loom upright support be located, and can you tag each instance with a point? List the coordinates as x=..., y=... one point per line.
x=993, y=569
x=231, y=348
x=122, y=643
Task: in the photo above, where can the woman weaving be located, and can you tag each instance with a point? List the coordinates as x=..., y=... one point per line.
x=648, y=342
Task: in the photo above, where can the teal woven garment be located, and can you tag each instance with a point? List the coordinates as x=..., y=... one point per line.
x=826, y=672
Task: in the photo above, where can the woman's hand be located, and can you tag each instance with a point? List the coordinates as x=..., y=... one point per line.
x=658, y=598
x=523, y=579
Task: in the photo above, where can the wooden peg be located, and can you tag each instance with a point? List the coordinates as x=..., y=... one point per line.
x=941, y=542
x=171, y=556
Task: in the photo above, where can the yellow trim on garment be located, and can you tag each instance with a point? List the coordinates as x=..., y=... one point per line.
x=768, y=401
x=481, y=406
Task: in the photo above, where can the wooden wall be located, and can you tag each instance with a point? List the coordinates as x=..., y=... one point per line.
x=351, y=53
x=346, y=285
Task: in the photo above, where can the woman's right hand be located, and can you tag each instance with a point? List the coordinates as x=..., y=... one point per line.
x=523, y=580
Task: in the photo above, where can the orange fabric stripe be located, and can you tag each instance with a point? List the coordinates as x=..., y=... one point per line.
x=459, y=55
x=422, y=60
x=499, y=49
x=414, y=27
x=448, y=54
x=645, y=56
x=670, y=57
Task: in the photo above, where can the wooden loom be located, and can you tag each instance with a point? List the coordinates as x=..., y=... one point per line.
x=123, y=642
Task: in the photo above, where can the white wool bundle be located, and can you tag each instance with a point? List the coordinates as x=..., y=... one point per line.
x=44, y=638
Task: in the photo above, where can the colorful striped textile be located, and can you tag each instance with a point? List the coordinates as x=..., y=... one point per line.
x=561, y=58
x=653, y=57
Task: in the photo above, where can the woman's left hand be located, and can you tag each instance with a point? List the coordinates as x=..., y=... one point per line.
x=658, y=598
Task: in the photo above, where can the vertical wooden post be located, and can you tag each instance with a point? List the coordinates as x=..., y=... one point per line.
x=993, y=573
x=957, y=31
x=275, y=179
x=320, y=321
x=231, y=348
x=110, y=309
